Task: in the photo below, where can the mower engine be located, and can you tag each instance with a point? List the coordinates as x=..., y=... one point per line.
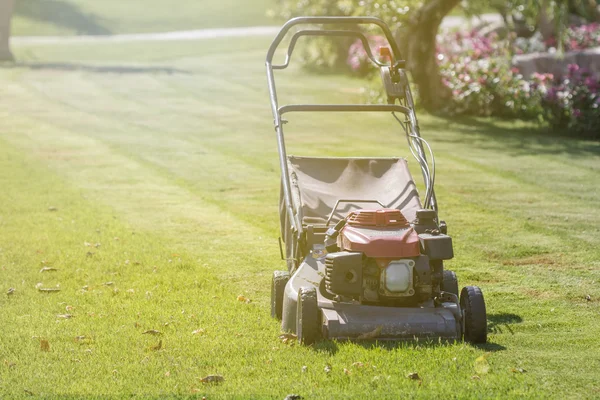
x=378, y=257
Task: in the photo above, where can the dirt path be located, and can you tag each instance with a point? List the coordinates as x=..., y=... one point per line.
x=449, y=22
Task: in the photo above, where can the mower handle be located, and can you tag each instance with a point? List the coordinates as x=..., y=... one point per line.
x=334, y=20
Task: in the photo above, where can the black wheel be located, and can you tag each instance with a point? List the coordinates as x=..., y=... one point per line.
x=473, y=306
x=450, y=282
x=280, y=279
x=307, y=316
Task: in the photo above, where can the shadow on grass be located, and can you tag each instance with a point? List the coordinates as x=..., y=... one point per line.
x=500, y=321
x=61, y=13
x=487, y=134
x=330, y=347
x=101, y=69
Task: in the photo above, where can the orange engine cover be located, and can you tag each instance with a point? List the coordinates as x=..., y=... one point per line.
x=379, y=234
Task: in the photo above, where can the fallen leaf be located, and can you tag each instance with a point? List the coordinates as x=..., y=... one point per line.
x=9, y=364
x=327, y=369
x=52, y=208
x=168, y=373
x=304, y=368
x=152, y=332
x=108, y=283
x=131, y=291
x=64, y=316
x=198, y=332
x=347, y=371
x=519, y=370
x=97, y=245
x=10, y=291
x=414, y=376
x=157, y=347
x=48, y=290
x=48, y=269
x=69, y=308
x=87, y=244
x=358, y=364
x=244, y=299
x=212, y=379
x=481, y=365
x=44, y=345
x=371, y=335
x=28, y=392
x=475, y=377
x=288, y=338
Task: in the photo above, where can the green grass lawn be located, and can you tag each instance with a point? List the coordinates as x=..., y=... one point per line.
x=146, y=174
x=93, y=17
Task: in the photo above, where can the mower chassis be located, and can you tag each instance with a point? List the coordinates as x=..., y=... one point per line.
x=347, y=320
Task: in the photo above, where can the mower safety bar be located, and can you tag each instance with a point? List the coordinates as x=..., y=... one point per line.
x=335, y=33
x=333, y=20
x=342, y=108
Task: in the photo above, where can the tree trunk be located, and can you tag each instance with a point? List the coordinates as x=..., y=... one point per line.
x=6, y=9
x=418, y=41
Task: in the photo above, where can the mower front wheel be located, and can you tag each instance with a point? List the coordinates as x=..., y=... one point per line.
x=474, y=314
x=280, y=279
x=450, y=282
x=307, y=316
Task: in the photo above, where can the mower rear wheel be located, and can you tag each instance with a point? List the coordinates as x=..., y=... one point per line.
x=307, y=316
x=473, y=306
x=280, y=279
x=450, y=282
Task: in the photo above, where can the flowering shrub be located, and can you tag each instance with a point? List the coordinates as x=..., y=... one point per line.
x=477, y=70
x=573, y=102
x=576, y=38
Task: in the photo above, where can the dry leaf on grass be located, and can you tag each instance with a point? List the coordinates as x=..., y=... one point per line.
x=244, y=299
x=87, y=244
x=47, y=290
x=475, y=377
x=288, y=338
x=44, y=345
x=168, y=373
x=10, y=291
x=519, y=370
x=198, y=332
x=157, y=347
x=48, y=269
x=481, y=365
x=65, y=316
x=212, y=379
x=414, y=376
x=28, y=392
x=347, y=371
x=304, y=368
x=327, y=369
x=152, y=332
x=52, y=208
x=108, y=283
x=371, y=335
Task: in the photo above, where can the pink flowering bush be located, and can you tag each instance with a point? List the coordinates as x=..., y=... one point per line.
x=572, y=103
x=477, y=70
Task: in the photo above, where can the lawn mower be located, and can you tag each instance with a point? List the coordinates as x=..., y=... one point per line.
x=365, y=256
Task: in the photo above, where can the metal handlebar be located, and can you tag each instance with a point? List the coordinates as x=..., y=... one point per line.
x=334, y=20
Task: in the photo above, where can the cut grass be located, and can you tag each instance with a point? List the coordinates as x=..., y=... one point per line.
x=89, y=17
x=182, y=168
